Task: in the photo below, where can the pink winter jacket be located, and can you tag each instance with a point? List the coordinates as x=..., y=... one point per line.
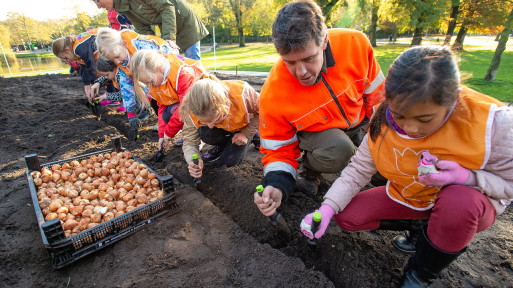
x=495, y=180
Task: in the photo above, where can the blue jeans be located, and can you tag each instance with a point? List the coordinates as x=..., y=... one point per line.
x=193, y=52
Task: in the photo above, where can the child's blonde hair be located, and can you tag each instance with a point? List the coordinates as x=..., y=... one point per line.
x=109, y=41
x=59, y=45
x=145, y=63
x=208, y=97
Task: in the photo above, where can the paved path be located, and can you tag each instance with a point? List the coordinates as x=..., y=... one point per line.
x=244, y=73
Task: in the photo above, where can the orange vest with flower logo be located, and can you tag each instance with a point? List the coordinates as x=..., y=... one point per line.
x=238, y=117
x=463, y=138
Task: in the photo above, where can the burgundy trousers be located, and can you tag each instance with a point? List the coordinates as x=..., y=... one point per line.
x=458, y=214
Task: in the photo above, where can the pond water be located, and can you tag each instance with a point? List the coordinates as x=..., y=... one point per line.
x=32, y=65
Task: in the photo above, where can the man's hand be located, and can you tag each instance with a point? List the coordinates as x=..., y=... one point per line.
x=196, y=170
x=173, y=45
x=239, y=139
x=134, y=122
x=269, y=201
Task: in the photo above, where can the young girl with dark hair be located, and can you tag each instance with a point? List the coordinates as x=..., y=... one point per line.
x=446, y=151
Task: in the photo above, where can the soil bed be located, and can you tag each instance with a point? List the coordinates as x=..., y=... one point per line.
x=219, y=239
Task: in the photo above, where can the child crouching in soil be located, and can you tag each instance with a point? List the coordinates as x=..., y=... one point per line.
x=168, y=79
x=459, y=185
x=110, y=72
x=221, y=113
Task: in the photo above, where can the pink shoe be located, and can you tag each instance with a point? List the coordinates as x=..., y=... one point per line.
x=105, y=102
x=121, y=109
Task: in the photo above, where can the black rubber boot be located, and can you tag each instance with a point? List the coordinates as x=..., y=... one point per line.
x=411, y=228
x=423, y=267
x=308, y=181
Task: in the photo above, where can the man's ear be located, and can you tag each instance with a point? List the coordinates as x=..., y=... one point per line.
x=325, y=42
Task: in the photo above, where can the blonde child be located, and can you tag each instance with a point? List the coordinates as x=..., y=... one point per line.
x=221, y=113
x=119, y=46
x=427, y=119
x=168, y=79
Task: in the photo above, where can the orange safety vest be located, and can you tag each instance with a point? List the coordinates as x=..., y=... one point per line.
x=286, y=106
x=81, y=38
x=129, y=37
x=468, y=128
x=238, y=117
x=166, y=94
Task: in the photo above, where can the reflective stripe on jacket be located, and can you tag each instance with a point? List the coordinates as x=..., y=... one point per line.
x=286, y=106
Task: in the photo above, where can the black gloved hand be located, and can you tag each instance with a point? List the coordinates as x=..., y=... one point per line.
x=134, y=122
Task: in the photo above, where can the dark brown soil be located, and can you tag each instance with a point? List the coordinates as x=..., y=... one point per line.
x=219, y=239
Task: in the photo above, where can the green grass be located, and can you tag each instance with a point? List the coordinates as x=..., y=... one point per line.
x=473, y=63
x=32, y=55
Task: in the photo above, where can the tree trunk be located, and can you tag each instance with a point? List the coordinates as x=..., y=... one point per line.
x=417, y=36
x=238, y=20
x=496, y=60
x=458, y=43
x=374, y=23
x=452, y=24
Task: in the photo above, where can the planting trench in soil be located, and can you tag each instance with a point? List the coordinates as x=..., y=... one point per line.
x=218, y=239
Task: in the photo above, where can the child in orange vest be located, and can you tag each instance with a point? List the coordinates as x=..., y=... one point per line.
x=462, y=140
x=220, y=113
x=82, y=49
x=168, y=79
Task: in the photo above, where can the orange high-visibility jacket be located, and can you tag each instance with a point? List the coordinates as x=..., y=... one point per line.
x=286, y=106
x=468, y=127
x=238, y=117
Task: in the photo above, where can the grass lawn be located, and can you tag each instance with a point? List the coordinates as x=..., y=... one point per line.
x=260, y=57
x=474, y=62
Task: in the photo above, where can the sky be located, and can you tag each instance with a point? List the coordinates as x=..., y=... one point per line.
x=47, y=9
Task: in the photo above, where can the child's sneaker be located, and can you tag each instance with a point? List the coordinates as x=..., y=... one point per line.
x=121, y=109
x=213, y=154
x=179, y=142
x=105, y=103
x=144, y=115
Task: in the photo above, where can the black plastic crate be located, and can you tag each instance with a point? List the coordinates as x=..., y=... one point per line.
x=64, y=250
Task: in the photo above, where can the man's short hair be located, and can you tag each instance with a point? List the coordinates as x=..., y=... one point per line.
x=296, y=24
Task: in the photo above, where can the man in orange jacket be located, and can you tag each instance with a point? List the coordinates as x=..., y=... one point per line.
x=316, y=100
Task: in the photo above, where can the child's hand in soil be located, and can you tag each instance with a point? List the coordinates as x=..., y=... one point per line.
x=306, y=225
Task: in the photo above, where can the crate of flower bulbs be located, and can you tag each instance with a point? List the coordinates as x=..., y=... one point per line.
x=90, y=201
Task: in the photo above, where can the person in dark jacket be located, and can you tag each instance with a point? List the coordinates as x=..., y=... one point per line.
x=176, y=20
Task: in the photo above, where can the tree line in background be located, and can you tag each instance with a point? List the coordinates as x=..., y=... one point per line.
x=238, y=21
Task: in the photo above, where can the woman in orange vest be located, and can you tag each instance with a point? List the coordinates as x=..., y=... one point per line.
x=220, y=113
x=168, y=79
x=446, y=151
